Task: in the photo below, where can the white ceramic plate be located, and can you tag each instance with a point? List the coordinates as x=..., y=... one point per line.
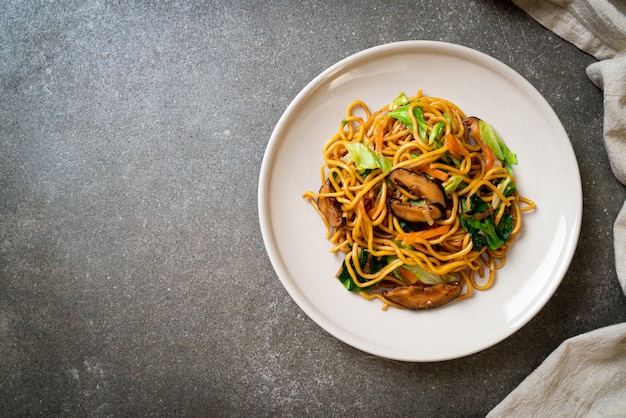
x=547, y=172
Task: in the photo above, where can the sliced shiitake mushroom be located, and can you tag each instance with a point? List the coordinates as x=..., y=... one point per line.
x=419, y=185
x=472, y=123
x=329, y=206
x=429, y=212
x=424, y=296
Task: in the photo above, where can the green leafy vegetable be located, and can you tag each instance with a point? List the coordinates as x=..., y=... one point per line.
x=368, y=263
x=475, y=205
x=424, y=276
x=454, y=183
x=401, y=100
x=489, y=135
x=485, y=231
x=402, y=114
x=436, y=132
x=507, y=188
x=364, y=158
x=505, y=228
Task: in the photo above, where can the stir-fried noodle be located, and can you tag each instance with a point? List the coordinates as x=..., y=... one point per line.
x=421, y=199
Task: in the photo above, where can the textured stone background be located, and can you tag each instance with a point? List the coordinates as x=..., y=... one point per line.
x=133, y=277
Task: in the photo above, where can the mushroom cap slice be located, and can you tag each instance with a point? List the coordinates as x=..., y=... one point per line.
x=419, y=185
x=472, y=123
x=329, y=206
x=424, y=296
x=428, y=213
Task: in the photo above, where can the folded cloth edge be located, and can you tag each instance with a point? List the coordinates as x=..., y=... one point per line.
x=610, y=75
x=597, y=27
x=619, y=234
x=580, y=23
x=584, y=376
x=570, y=381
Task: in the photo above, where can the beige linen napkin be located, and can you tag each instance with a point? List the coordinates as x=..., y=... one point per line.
x=598, y=27
x=586, y=375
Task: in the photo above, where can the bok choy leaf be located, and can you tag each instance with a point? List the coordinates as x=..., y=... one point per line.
x=483, y=230
x=368, y=263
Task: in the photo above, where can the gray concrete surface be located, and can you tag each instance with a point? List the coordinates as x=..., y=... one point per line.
x=133, y=277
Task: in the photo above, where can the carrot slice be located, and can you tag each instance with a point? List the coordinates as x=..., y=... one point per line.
x=413, y=237
x=378, y=132
x=488, y=156
x=455, y=149
x=433, y=172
